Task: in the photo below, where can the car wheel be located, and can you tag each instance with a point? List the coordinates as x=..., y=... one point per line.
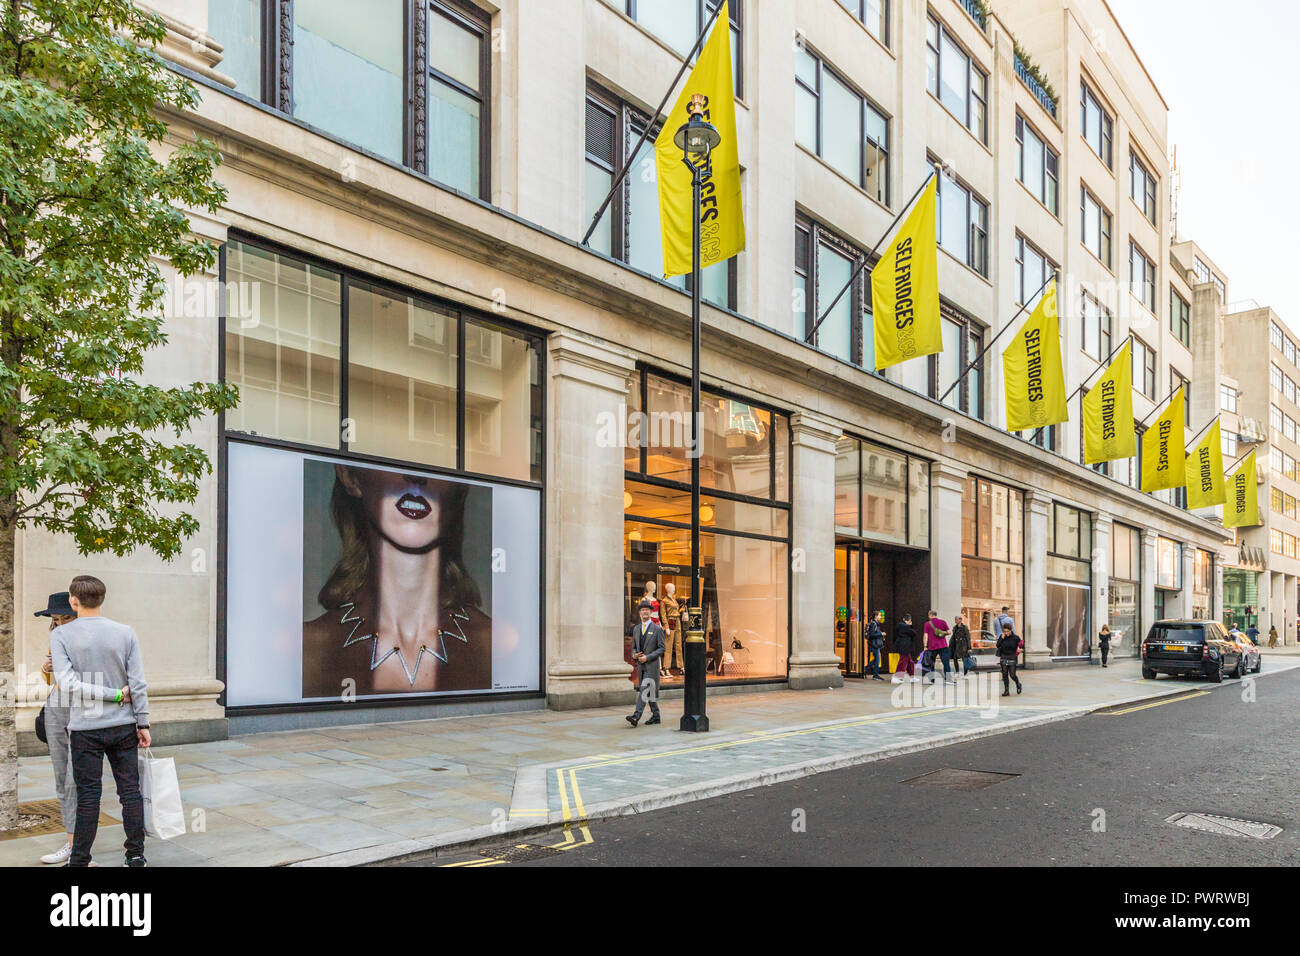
x=1240, y=670
x=1148, y=674
x=1259, y=663
x=1216, y=675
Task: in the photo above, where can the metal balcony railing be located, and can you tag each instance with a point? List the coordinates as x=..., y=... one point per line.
x=976, y=10
x=1035, y=87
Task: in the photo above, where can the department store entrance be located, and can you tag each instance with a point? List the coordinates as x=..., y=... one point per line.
x=872, y=577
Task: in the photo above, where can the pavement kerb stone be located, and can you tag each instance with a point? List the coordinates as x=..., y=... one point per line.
x=491, y=834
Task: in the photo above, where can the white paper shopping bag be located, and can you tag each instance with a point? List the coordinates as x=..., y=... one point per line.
x=164, y=817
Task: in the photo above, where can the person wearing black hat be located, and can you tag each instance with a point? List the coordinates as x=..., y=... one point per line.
x=648, y=646
x=56, y=713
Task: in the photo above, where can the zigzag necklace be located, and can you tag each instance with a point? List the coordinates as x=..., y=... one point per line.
x=458, y=616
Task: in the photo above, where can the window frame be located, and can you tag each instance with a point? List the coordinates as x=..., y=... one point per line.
x=1180, y=317
x=704, y=9
x=1108, y=232
x=1022, y=243
x=466, y=316
x=860, y=17
x=1148, y=282
x=1051, y=171
x=972, y=69
x=1105, y=125
x=1102, y=314
x=1138, y=169
x=973, y=229
x=628, y=124
x=859, y=291
x=973, y=336
x=1146, y=383
x=865, y=104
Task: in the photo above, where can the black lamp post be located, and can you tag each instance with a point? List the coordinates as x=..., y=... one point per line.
x=696, y=139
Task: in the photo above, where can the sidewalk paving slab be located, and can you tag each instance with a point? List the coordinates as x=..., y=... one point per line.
x=367, y=793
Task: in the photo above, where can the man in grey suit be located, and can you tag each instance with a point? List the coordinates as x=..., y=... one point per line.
x=648, y=646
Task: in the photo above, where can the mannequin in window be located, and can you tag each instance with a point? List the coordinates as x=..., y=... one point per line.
x=672, y=626
x=649, y=595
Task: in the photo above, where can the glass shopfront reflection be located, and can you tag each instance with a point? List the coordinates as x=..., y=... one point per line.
x=1069, y=584
x=1125, y=591
x=744, y=519
x=993, y=561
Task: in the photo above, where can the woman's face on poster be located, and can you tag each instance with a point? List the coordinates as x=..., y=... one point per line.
x=406, y=509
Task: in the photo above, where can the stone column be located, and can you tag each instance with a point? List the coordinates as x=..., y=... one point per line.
x=947, y=489
x=1187, y=599
x=1277, y=604
x=1102, y=526
x=1288, y=608
x=1148, y=580
x=1216, y=598
x=813, y=661
x=584, y=549
x=1038, y=507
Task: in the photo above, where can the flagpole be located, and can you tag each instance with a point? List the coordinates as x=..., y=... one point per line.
x=1203, y=430
x=1084, y=383
x=631, y=157
x=1010, y=322
x=863, y=263
x=1162, y=404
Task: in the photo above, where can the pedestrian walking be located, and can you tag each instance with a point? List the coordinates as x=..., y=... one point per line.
x=56, y=713
x=647, y=650
x=1008, y=654
x=1003, y=618
x=1103, y=641
x=108, y=719
x=1253, y=633
x=1272, y=636
x=905, y=646
x=959, y=644
x=875, y=643
x=936, y=645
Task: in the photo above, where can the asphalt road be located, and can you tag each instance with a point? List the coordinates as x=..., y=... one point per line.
x=1212, y=753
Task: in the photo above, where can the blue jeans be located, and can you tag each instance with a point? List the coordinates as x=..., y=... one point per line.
x=873, y=656
x=944, y=655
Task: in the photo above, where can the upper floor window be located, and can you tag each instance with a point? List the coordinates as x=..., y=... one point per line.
x=1097, y=125
x=1288, y=351
x=953, y=76
x=679, y=22
x=1219, y=285
x=1175, y=380
x=1036, y=165
x=1276, y=336
x=1227, y=398
x=1096, y=225
x=1201, y=269
x=1033, y=269
x=1275, y=377
x=963, y=343
x=1097, y=328
x=823, y=264
x=629, y=228
x=963, y=223
x=1180, y=318
x=1144, y=368
x=359, y=76
x=1142, y=276
x=840, y=125
x=874, y=15
x=1142, y=187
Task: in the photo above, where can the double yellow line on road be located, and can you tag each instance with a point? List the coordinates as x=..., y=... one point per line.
x=1156, y=703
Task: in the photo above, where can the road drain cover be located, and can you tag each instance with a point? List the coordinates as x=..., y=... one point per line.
x=1227, y=826
x=950, y=779
x=519, y=853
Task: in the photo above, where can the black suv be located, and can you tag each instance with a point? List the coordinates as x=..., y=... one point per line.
x=1191, y=647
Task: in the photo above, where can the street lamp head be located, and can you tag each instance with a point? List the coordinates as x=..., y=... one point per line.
x=697, y=137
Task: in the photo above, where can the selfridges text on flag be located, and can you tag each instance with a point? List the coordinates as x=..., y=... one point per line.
x=1108, y=412
x=1205, y=471
x=1031, y=370
x=1164, y=455
x=905, y=288
x=722, y=222
x=1241, y=509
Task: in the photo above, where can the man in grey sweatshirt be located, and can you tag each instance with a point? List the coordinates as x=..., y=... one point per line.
x=97, y=665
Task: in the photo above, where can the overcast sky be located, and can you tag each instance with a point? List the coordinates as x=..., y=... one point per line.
x=1229, y=74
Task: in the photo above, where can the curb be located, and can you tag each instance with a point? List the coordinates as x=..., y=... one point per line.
x=458, y=841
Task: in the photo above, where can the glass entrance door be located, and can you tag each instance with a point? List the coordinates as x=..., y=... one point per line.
x=848, y=608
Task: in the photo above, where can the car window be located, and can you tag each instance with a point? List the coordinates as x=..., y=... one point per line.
x=1190, y=635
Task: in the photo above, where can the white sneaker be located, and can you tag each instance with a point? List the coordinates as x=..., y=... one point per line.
x=947, y=681
x=61, y=855
x=916, y=680
x=897, y=680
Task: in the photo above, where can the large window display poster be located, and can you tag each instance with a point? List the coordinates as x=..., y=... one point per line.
x=348, y=581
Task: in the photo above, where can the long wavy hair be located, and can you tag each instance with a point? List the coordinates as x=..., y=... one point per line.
x=352, y=572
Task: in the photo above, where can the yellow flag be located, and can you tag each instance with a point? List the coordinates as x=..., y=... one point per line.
x=722, y=222
x=1031, y=370
x=1242, y=507
x=1205, y=471
x=1108, y=413
x=1164, y=456
x=905, y=288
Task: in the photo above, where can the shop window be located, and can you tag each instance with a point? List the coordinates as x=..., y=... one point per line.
x=847, y=499
x=992, y=559
x=402, y=377
x=283, y=350
x=503, y=398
